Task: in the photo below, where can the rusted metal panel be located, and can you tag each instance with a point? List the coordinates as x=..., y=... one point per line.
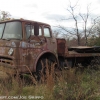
x=75, y=54
x=61, y=46
x=85, y=49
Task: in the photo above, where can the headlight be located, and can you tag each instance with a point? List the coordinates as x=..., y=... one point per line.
x=10, y=52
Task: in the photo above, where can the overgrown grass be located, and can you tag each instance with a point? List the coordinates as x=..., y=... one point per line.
x=71, y=84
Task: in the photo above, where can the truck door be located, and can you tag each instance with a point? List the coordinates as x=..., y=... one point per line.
x=25, y=50
x=51, y=41
x=33, y=45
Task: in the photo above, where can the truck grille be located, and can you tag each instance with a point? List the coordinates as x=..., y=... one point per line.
x=6, y=60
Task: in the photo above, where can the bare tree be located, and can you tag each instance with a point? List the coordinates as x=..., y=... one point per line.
x=79, y=33
x=88, y=31
x=72, y=31
x=85, y=19
x=4, y=15
x=71, y=11
x=56, y=34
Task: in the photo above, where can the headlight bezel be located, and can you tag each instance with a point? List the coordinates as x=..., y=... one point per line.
x=10, y=52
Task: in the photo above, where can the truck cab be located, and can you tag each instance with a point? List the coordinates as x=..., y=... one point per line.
x=24, y=44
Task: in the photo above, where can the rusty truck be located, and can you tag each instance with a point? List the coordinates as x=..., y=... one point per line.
x=25, y=43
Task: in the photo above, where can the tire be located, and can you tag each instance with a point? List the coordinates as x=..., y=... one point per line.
x=44, y=68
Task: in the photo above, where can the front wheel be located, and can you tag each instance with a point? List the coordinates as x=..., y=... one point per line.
x=45, y=69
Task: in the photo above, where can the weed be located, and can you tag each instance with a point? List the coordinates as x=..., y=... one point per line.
x=72, y=84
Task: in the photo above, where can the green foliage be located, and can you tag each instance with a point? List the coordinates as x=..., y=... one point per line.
x=94, y=41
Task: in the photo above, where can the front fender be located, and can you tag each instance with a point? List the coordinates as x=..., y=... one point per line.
x=41, y=54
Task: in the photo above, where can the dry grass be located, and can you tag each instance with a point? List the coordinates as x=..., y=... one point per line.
x=71, y=84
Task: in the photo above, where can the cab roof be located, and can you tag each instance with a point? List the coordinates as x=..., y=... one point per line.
x=24, y=20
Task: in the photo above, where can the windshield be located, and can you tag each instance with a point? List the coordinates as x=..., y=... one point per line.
x=11, y=30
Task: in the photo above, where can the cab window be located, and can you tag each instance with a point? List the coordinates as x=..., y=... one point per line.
x=30, y=30
x=47, y=32
x=40, y=31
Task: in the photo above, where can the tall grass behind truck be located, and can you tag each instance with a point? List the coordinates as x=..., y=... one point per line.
x=26, y=45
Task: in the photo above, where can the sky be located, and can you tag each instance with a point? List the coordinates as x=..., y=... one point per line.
x=48, y=11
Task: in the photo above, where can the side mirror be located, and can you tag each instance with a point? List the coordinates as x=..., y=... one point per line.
x=36, y=29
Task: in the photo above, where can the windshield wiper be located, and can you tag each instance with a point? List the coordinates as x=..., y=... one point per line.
x=4, y=39
x=10, y=39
